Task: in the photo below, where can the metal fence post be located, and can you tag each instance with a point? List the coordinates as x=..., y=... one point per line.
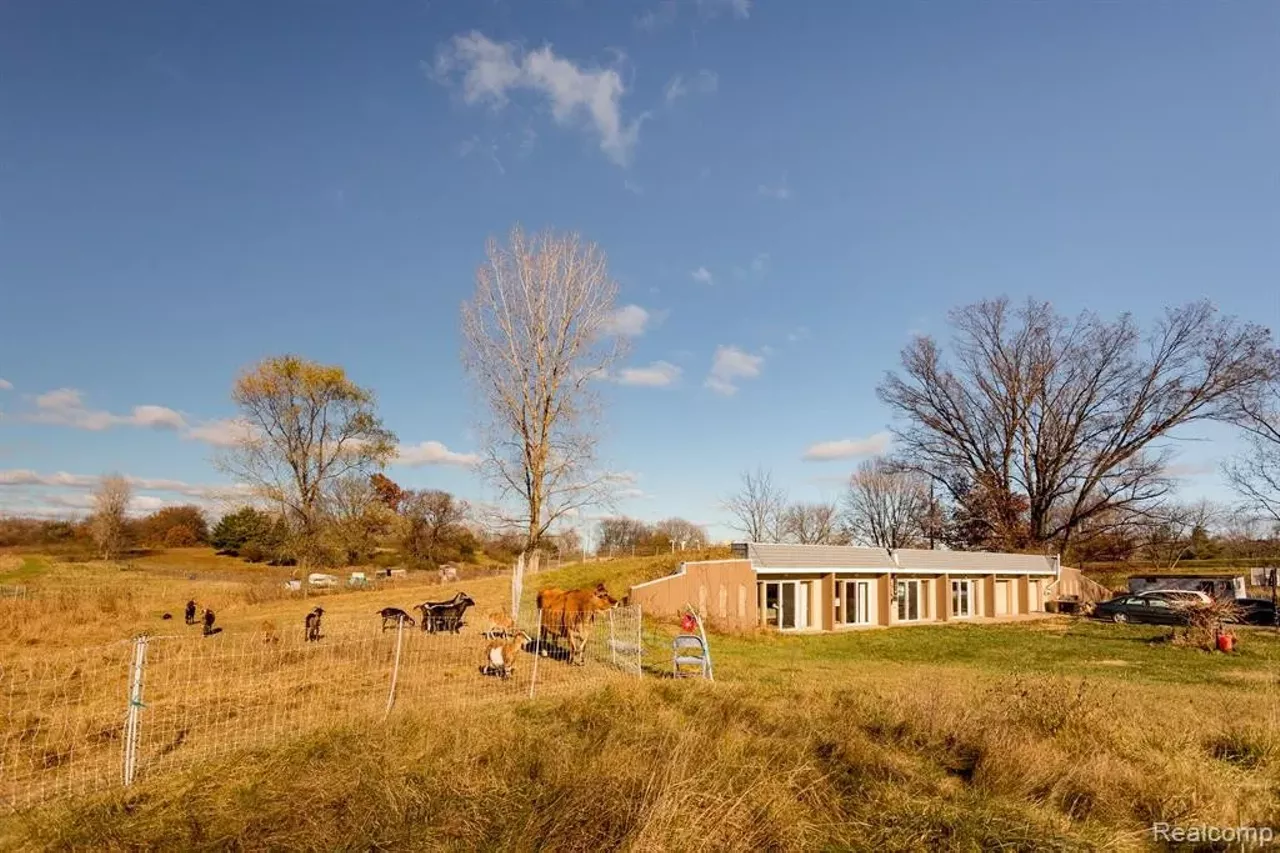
x=639, y=643
x=613, y=643
x=537, y=653
x=133, y=723
x=395, y=668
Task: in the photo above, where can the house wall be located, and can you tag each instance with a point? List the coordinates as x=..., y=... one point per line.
x=724, y=591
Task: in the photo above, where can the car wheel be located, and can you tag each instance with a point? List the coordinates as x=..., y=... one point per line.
x=1119, y=618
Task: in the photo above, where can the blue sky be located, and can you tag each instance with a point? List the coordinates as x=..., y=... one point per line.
x=187, y=187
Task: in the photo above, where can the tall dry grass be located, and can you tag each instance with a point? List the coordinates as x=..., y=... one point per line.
x=685, y=766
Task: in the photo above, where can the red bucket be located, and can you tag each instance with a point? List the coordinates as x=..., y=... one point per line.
x=1226, y=642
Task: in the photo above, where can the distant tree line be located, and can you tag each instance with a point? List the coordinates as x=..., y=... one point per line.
x=619, y=534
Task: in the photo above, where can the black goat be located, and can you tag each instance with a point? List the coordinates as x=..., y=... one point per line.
x=392, y=616
x=191, y=612
x=313, y=624
x=440, y=616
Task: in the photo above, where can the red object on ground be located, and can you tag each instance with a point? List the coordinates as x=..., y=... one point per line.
x=1226, y=642
x=688, y=624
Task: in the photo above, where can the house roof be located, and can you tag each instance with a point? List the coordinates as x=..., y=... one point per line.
x=835, y=557
x=769, y=556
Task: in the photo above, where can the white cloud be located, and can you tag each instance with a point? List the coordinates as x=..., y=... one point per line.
x=227, y=432
x=705, y=82
x=847, y=448
x=713, y=8
x=801, y=333
x=65, y=407
x=659, y=374
x=781, y=192
x=432, y=453
x=632, y=187
x=628, y=321
x=6, y=385
x=702, y=275
x=729, y=365
x=760, y=263
x=591, y=96
x=660, y=16
x=60, y=494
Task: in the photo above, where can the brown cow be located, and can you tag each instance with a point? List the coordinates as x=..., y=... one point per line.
x=569, y=614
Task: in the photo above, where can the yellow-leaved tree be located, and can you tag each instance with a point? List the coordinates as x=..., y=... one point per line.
x=306, y=427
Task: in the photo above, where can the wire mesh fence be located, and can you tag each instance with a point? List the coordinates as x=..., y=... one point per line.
x=84, y=720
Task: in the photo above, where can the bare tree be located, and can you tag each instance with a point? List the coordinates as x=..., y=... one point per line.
x=431, y=518
x=757, y=507
x=355, y=517
x=1067, y=415
x=306, y=426
x=1255, y=472
x=109, y=524
x=812, y=524
x=885, y=506
x=685, y=534
x=1168, y=531
x=536, y=333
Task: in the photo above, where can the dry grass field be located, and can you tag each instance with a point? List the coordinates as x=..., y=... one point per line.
x=1055, y=734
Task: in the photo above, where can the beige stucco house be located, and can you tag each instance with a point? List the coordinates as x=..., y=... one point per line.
x=835, y=587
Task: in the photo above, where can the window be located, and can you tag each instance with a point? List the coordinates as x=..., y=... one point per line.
x=786, y=604
x=855, y=596
x=962, y=598
x=909, y=599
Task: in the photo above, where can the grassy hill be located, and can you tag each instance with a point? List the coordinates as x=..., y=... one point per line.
x=1046, y=735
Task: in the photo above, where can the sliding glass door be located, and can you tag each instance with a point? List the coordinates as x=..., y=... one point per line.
x=855, y=598
x=786, y=604
x=910, y=598
x=962, y=603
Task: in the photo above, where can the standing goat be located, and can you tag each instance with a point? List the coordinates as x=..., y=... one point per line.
x=313, y=624
x=500, y=655
x=393, y=616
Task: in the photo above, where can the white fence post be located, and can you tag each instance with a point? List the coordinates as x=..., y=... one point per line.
x=132, y=723
x=537, y=653
x=639, y=643
x=395, y=667
x=613, y=642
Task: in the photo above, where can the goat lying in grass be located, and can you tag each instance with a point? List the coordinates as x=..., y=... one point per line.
x=500, y=655
x=391, y=616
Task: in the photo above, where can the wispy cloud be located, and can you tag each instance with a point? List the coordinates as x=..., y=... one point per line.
x=433, y=453
x=705, y=82
x=227, y=432
x=632, y=187
x=702, y=275
x=780, y=191
x=667, y=12
x=729, y=365
x=27, y=478
x=6, y=385
x=714, y=8
x=800, y=333
x=629, y=321
x=659, y=374
x=848, y=448
x=590, y=97
x=66, y=407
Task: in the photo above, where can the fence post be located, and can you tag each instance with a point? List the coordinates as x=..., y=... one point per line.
x=395, y=668
x=537, y=653
x=613, y=645
x=132, y=723
x=639, y=643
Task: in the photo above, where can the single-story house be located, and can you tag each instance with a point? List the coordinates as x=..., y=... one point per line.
x=1218, y=586
x=834, y=587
